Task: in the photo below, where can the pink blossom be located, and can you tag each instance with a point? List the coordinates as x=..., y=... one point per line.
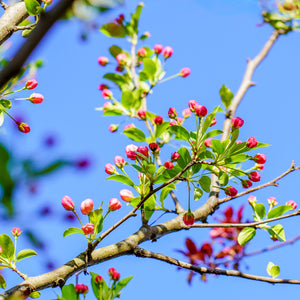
x=185, y=72
x=167, y=52
x=114, y=204
x=86, y=206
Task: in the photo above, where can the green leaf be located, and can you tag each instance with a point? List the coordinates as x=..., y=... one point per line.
x=25, y=253
x=121, y=178
x=68, y=292
x=205, y=183
x=246, y=235
x=278, y=211
x=223, y=178
x=135, y=134
x=32, y=7
x=236, y=159
x=149, y=207
x=112, y=111
x=128, y=100
x=208, y=120
x=116, y=78
x=113, y=30
x=197, y=193
x=160, y=129
x=114, y=50
x=121, y=284
x=96, y=218
x=72, y=230
x=2, y=282
x=180, y=132
x=273, y=270
x=134, y=22
x=277, y=232
x=165, y=192
x=8, y=247
x=212, y=133
x=184, y=158
x=35, y=295
x=217, y=146
x=260, y=210
x=226, y=95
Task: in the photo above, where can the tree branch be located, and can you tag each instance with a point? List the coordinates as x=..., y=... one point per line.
x=202, y=270
x=270, y=183
x=46, y=22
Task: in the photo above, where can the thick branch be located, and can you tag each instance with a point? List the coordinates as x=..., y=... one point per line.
x=202, y=270
x=46, y=22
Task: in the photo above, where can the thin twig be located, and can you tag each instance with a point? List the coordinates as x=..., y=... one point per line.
x=3, y=5
x=242, y=225
x=273, y=247
x=30, y=26
x=202, y=270
x=270, y=183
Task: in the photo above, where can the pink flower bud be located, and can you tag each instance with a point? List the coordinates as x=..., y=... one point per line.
x=272, y=201
x=231, y=191
x=246, y=184
x=107, y=104
x=99, y=279
x=188, y=219
x=86, y=206
x=126, y=195
x=67, y=203
x=81, y=289
x=260, y=158
x=114, y=204
x=252, y=200
x=158, y=48
x=254, y=176
x=144, y=150
x=192, y=105
x=88, y=228
x=107, y=94
x=128, y=126
x=292, y=203
x=31, y=84
x=185, y=72
x=17, y=231
x=259, y=167
x=115, y=276
x=120, y=68
x=186, y=113
x=120, y=19
x=208, y=143
x=167, y=52
x=238, y=142
x=237, y=122
x=158, y=120
x=121, y=58
x=213, y=122
x=109, y=169
x=113, y=127
x=130, y=151
x=23, y=127
x=168, y=165
x=102, y=87
x=36, y=98
x=200, y=110
x=172, y=113
x=119, y=161
x=102, y=60
x=142, y=114
x=175, y=156
x=111, y=271
x=1, y=250
x=251, y=142
x=142, y=52
x=154, y=147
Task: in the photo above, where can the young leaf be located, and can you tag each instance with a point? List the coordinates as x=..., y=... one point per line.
x=149, y=207
x=2, y=282
x=184, y=158
x=180, y=132
x=278, y=211
x=72, y=230
x=149, y=68
x=273, y=270
x=277, y=232
x=68, y=292
x=121, y=178
x=121, y=284
x=223, y=178
x=113, y=30
x=246, y=235
x=96, y=218
x=135, y=134
x=217, y=146
x=260, y=210
x=35, y=295
x=159, y=130
x=32, y=7
x=165, y=191
x=205, y=183
x=197, y=194
x=25, y=253
x=128, y=100
x=8, y=247
x=114, y=50
x=226, y=95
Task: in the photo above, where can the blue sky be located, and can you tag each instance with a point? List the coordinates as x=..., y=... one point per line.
x=213, y=38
